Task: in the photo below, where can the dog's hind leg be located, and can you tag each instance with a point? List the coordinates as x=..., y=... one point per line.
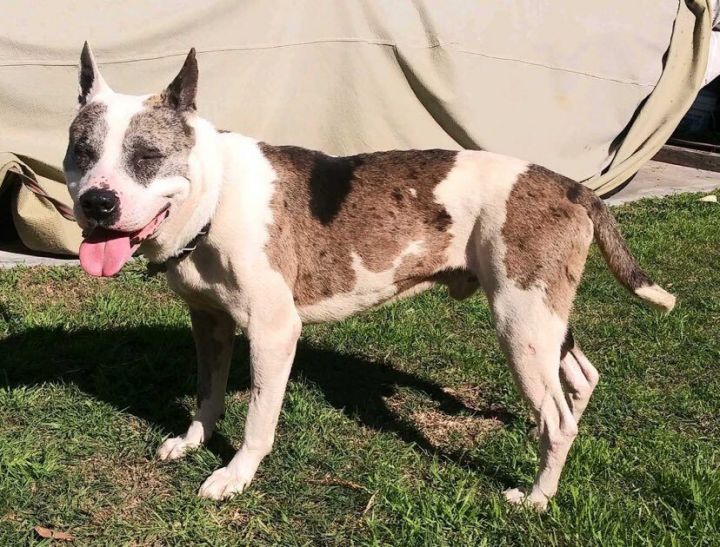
x=214, y=333
x=273, y=335
x=529, y=262
x=578, y=376
x=531, y=335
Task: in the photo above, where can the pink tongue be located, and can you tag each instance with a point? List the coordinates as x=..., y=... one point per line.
x=104, y=253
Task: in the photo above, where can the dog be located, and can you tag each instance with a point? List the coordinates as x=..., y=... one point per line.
x=267, y=238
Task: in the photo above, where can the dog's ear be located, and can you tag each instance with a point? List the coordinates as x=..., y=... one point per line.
x=180, y=94
x=91, y=81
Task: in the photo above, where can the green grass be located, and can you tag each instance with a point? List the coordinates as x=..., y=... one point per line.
x=400, y=427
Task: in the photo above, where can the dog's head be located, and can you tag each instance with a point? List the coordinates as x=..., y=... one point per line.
x=127, y=162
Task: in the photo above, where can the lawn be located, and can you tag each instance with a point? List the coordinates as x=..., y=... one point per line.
x=400, y=427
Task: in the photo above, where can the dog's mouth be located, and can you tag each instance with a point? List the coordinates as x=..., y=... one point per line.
x=104, y=252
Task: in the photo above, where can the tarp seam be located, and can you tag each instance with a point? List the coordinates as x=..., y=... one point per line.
x=260, y=47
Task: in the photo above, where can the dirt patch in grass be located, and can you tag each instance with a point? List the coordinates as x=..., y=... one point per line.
x=455, y=432
x=230, y=517
x=469, y=395
x=443, y=430
x=125, y=490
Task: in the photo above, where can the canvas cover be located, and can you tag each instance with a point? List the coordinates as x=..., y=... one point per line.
x=590, y=89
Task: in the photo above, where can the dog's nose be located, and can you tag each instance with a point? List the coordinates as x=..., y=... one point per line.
x=99, y=205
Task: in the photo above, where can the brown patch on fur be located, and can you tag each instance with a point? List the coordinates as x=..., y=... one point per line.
x=326, y=208
x=87, y=137
x=547, y=237
x=157, y=143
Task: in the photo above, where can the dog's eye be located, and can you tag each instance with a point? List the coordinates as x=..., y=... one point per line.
x=150, y=157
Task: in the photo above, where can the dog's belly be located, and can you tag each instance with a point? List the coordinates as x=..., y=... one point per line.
x=460, y=282
x=362, y=298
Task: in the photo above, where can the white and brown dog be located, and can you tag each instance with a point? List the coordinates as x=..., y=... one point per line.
x=283, y=236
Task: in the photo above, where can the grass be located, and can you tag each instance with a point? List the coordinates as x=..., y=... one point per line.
x=400, y=427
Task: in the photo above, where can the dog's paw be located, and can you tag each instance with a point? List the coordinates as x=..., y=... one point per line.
x=518, y=497
x=514, y=496
x=175, y=448
x=223, y=484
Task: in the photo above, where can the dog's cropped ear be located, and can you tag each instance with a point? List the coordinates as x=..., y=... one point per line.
x=180, y=94
x=91, y=81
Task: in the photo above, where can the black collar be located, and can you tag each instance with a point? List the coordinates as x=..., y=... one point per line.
x=192, y=244
x=182, y=253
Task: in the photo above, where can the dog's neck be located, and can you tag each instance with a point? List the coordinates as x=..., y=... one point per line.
x=188, y=218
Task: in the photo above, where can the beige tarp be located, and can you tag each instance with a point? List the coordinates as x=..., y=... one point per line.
x=590, y=89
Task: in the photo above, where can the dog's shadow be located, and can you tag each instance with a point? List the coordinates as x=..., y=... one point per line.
x=148, y=370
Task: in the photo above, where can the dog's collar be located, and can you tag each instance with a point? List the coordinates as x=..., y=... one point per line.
x=192, y=244
x=182, y=253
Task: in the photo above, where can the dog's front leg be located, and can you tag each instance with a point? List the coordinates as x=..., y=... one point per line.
x=214, y=333
x=273, y=337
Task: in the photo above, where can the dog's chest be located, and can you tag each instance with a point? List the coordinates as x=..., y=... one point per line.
x=203, y=281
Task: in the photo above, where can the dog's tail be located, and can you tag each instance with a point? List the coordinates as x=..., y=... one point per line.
x=617, y=255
